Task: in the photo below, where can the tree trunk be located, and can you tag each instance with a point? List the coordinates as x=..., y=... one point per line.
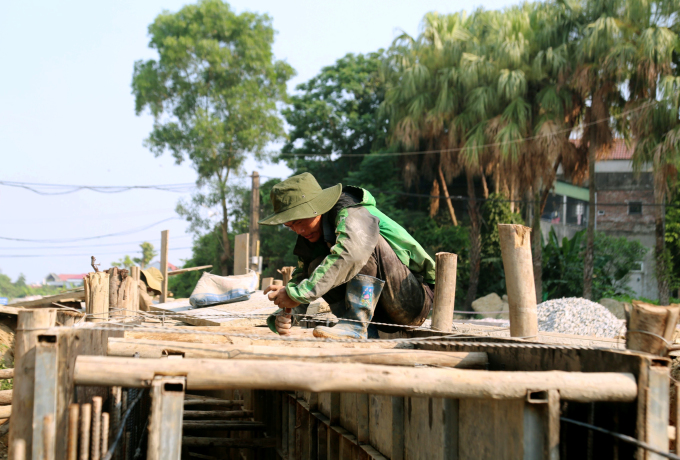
x=659, y=221
x=536, y=248
x=224, y=227
x=475, y=241
x=485, y=187
x=497, y=179
x=536, y=234
x=590, y=238
x=452, y=213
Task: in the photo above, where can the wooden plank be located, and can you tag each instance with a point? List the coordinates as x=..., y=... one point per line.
x=241, y=250
x=21, y=423
x=164, y=264
x=424, y=428
x=481, y=420
x=397, y=428
x=75, y=296
x=189, y=269
x=380, y=428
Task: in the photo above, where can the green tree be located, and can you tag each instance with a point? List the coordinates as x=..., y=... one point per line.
x=213, y=93
x=602, y=45
x=654, y=87
x=334, y=116
x=148, y=253
x=124, y=262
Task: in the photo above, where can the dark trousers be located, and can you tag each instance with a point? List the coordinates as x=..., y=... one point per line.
x=405, y=299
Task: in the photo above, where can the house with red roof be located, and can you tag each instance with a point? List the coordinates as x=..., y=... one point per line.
x=623, y=207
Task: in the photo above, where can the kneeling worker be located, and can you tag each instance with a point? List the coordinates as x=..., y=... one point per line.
x=366, y=266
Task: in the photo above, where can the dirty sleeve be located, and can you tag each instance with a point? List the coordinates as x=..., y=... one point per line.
x=357, y=232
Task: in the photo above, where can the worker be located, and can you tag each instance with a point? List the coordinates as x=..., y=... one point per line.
x=149, y=285
x=367, y=267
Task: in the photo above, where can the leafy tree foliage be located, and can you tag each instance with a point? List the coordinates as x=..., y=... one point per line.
x=19, y=288
x=563, y=265
x=334, y=115
x=212, y=92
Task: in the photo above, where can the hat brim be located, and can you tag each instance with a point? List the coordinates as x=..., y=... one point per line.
x=151, y=281
x=315, y=207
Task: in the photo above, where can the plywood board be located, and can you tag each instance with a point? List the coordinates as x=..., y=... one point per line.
x=241, y=254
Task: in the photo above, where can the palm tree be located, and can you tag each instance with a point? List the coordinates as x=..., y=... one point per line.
x=601, y=52
x=424, y=95
x=655, y=104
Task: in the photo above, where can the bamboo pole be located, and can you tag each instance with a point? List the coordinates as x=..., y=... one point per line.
x=519, y=279
x=444, y=291
x=5, y=397
x=164, y=265
x=387, y=356
x=85, y=425
x=190, y=269
x=212, y=374
x=266, y=282
x=18, y=449
x=6, y=373
x=96, y=428
x=30, y=323
x=105, y=434
x=72, y=447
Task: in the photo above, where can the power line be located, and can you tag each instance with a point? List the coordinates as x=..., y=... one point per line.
x=14, y=256
x=73, y=240
x=63, y=189
x=460, y=149
x=89, y=246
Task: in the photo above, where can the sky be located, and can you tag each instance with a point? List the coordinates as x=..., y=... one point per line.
x=67, y=117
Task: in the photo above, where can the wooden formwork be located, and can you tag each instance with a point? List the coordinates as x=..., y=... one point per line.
x=397, y=423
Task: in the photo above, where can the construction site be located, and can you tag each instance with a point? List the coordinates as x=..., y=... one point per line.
x=113, y=381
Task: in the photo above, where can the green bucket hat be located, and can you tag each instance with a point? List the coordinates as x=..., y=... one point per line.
x=300, y=197
x=153, y=278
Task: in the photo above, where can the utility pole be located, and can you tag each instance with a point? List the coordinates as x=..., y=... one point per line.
x=254, y=226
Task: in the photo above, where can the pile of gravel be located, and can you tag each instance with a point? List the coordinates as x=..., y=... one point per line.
x=578, y=316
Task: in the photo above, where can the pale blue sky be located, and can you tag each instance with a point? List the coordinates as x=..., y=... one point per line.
x=67, y=115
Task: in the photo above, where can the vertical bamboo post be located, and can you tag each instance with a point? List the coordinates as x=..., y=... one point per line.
x=18, y=450
x=85, y=425
x=519, y=279
x=73, y=415
x=254, y=218
x=29, y=325
x=164, y=265
x=135, y=272
x=96, y=427
x=105, y=434
x=444, y=291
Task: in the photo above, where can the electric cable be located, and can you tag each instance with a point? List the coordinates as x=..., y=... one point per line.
x=73, y=240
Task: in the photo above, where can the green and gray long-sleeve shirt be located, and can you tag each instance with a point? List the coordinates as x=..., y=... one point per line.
x=350, y=234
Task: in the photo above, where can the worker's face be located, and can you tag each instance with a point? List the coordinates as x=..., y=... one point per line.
x=307, y=228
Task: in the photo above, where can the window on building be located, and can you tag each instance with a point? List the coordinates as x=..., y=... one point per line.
x=635, y=207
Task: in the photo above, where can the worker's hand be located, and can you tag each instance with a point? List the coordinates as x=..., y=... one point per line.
x=284, y=322
x=279, y=296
